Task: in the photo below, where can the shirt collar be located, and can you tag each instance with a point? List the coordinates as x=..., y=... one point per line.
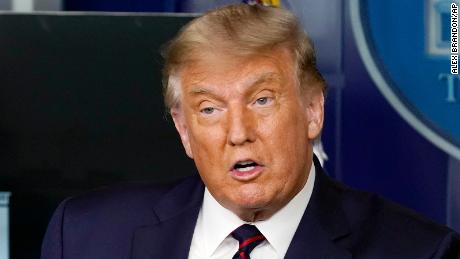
x=217, y=223
x=288, y=217
x=220, y=222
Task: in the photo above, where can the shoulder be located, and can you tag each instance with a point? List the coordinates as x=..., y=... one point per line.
x=362, y=206
x=100, y=223
x=132, y=199
x=382, y=226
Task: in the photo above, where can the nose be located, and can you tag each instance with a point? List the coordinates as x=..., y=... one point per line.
x=241, y=127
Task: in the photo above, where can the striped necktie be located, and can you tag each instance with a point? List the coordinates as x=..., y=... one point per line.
x=249, y=237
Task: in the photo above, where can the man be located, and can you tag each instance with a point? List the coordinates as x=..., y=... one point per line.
x=248, y=102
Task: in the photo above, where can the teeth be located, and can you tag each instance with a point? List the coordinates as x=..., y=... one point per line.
x=246, y=162
x=245, y=169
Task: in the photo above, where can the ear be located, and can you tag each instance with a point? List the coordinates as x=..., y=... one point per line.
x=181, y=127
x=315, y=113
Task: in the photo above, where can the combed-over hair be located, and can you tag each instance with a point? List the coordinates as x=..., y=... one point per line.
x=240, y=30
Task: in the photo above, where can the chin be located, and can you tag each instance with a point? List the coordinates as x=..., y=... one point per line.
x=251, y=198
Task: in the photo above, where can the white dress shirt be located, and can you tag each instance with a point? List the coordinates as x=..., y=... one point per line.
x=212, y=239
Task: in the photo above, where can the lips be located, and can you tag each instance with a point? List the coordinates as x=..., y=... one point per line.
x=246, y=170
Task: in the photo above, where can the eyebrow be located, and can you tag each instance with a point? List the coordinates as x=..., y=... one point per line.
x=266, y=77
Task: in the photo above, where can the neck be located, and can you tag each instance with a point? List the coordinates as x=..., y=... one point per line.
x=256, y=215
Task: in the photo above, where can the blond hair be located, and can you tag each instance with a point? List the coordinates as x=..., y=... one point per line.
x=241, y=30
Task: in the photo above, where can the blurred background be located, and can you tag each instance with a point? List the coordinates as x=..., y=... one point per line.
x=81, y=104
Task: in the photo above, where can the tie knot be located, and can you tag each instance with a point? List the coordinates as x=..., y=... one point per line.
x=248, y=236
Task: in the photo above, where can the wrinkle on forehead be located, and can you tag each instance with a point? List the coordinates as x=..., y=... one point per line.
x=198, y=87
x=221, y=76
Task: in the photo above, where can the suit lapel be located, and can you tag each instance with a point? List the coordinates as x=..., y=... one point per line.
x=171, y=236
x=323, y=223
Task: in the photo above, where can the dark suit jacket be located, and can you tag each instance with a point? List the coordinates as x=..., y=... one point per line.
x=158, y=222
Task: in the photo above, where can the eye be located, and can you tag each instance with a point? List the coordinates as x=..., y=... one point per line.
x=263, y=101
x=207, y=110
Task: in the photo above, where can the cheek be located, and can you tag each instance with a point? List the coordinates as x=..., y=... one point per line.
x=206, y=144
x=203, y=146
x=283, y=125
x=286, y=137
x=204, y=138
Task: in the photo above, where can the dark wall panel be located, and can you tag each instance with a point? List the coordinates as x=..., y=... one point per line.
x=80, y=107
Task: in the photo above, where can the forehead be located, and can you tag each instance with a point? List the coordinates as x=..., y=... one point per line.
x=222, y=69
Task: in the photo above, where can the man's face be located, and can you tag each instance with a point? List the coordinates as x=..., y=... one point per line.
x=249, y=129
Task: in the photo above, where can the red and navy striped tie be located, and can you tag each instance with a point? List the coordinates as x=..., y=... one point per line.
x=249, y=237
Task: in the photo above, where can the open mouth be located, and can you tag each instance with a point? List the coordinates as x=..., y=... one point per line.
x=246, y=170
x=245, y=166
